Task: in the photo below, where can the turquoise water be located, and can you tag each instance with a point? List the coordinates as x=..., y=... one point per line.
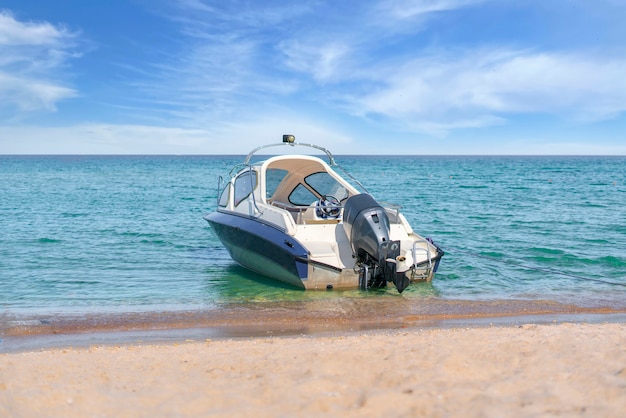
x=90, y=234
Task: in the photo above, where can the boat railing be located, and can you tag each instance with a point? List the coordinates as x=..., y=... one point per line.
x=429, y=259
x=254, y=208
x=331, y=159
x=358, y=183
x=236, y=169
x=393, y=211
x=220, y=180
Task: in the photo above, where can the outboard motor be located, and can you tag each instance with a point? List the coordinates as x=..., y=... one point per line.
x=367, y=226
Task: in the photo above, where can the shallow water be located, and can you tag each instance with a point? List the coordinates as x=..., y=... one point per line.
x=85, y=235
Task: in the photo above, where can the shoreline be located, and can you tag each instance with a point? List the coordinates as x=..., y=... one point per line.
x=314, y=318
x=176, y=335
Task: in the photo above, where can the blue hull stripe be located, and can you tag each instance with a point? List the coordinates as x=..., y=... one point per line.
x=265, y=240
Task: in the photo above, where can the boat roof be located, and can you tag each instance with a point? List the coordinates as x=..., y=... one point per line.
x=295, y=163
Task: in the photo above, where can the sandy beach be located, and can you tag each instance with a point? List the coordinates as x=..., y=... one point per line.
x=561, y=369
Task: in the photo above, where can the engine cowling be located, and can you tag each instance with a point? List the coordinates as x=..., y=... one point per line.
x=367, y=226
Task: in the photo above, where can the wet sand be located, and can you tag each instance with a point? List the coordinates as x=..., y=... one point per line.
x=282, y=318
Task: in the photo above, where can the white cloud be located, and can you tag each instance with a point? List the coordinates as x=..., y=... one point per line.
x=441, y=128
x=228, y=62
x=13, y=32
x=29, y=95
x=98, y=138
x=236, y=55
x=478, y=88
x=30, y=56
x=236, y=62
x=403, y=9
x=324, y=62
x=224, y=137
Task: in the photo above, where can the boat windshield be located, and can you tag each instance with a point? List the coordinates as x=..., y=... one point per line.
x=319, y=184
x=325, y=184
x=245, y=183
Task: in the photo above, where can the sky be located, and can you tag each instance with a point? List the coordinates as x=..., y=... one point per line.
x=419, y=77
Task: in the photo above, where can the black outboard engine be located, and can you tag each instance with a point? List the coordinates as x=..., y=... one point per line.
x=367, y=227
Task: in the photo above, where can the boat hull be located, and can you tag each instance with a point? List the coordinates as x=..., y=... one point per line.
x=261, y=247
x=271, y=252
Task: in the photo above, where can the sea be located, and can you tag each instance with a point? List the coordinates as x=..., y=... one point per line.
x=125, y=235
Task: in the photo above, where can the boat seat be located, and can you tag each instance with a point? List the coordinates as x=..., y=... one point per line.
x=295, y=211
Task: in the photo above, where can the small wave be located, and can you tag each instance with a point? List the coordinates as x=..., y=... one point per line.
x=611, y=261
x=588, y=205
x=73, y=215
x=158, y=242
x=138, y=234
x=597, y=241
x=46, y=240
x=546, y=251
x=491, y=254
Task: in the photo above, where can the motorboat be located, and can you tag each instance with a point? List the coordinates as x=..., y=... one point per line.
x=292, y=217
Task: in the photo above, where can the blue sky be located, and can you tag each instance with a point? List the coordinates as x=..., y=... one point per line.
x=359, y=77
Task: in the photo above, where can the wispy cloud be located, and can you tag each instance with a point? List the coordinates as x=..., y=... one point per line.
x=239, y=54
x=408, y=9
x=13, y=32
x=478, y=88
x=29, y=94
x=99, y=138
x=226, y=137
x=228, y=60
x=324, y=62
x=31, y=54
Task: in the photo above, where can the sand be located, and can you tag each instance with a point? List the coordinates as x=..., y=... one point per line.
x=565, y=369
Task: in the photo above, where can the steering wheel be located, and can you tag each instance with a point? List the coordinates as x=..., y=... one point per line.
x=328, y=207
